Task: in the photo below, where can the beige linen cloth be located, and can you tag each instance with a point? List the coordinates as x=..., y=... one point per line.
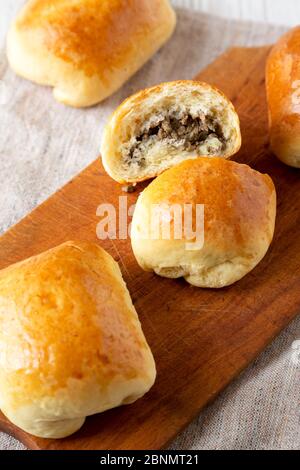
x=43, y=144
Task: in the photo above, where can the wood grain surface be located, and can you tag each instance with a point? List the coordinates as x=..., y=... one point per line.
x=201, y=339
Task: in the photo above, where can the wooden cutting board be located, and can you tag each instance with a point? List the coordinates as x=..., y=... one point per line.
x=201, y=339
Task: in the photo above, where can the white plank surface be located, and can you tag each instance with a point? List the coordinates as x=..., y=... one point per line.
x=285, y=12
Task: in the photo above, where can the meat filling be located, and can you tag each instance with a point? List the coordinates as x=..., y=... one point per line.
x=186, y=133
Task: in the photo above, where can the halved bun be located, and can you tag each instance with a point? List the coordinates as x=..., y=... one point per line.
x=226, y=241
x=157, y=128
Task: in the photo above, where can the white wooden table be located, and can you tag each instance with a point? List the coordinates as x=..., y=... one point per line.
x=285, y=12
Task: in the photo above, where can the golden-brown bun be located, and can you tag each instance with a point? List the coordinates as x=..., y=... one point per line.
x=87, y=49
x=239, y=218
x=283, y=90
x=71, y=344
x=159, y=127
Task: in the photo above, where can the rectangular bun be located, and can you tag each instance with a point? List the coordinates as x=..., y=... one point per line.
x=71, y=344
x=87, y=49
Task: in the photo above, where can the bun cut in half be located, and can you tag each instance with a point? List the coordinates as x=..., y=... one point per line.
x=160, y=127
x=71, y=343
x=87, y=49
x=215, y=222
x=283, y=91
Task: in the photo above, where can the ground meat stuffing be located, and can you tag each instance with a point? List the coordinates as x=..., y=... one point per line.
x=185, y=132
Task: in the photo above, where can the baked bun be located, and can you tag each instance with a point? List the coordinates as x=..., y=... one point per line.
x=238, y=223
x=283, y=91
x=87, y=49
x=70, y=339
x=164, y=125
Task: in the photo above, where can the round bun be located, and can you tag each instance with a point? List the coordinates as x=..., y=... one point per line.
x=164, y=125
x=71, y=344
x=221, y=247
x=283, y=90
x=87, y=49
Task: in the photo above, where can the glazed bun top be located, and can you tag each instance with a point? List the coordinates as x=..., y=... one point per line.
x=283, y=91
x=239, y=208
x=87, y=49
x=71, y=342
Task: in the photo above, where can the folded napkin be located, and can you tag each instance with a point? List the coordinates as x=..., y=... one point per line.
x=43, y=144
